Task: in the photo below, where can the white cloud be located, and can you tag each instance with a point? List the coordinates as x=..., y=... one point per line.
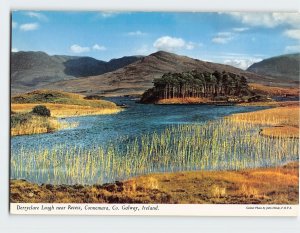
x=14, y=24
x=36, y=15
x=292, y=49
x=293, y=33
x=240, y=29
x=223, y=38
x=242, y=63
x=75, y=48
x=169, y=43
x=172, y=44
x=136, y=33
x=14, y=50
x=269, y=20
x=99, y=47
x=29, y=26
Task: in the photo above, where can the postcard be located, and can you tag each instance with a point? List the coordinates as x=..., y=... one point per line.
x=154, y=113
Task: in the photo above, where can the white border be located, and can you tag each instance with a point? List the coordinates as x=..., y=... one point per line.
x=154, y=209
x=160, y=5
x=81, y=224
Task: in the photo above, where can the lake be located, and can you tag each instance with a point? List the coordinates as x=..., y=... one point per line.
x=135, y=120
x=105, y=148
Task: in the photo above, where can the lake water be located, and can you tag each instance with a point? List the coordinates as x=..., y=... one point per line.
x=135, y=120
x=106, y=148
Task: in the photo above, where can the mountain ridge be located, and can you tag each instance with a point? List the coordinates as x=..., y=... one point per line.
x=129, y=75
x=137, y=77
x=285, y=66
x=31, y=70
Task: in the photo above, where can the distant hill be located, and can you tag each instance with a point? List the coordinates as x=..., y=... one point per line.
x=137, y=77
x=131, y=75
x=32, y=70
x=283, y=68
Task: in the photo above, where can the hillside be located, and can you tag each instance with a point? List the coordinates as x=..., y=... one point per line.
x=62, y=104
x=283, y=68
x=32, y=70
x=138, y=76
x=59, y=97
x=24, y=120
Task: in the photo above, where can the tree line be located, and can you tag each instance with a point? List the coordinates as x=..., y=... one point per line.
x=197, y=84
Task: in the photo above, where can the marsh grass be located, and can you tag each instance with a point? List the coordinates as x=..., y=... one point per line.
x=27, y=123
x=288, y=115
x=218, y=145
x=284, y=121
x=277, y=185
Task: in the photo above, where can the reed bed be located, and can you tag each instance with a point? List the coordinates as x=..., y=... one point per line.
x=218, y=145
x=38, y=125
x=288, y=115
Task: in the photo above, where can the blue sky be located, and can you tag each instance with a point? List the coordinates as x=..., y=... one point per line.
x=237, y=39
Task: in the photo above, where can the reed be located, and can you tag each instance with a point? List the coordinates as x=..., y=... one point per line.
x=288, y=115
x=37, y=124
x=224, y=144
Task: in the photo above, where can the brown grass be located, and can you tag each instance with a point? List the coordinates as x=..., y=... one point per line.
x=274, y=91
x=66, y=110
x=285, y=120
x=38, y=125
x=188, y=100
x=252, y=186
x=61, y=104
x=281, y=131
x=275, y=116
x=271, y=104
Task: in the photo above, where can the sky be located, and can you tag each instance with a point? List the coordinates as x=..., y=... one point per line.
x=237, y=39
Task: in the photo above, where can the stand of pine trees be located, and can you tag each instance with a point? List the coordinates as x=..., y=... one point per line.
x=197, y=84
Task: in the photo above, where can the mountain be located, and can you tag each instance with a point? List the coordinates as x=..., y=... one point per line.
x=283, y=68
x=137, y=77
x=32, y=70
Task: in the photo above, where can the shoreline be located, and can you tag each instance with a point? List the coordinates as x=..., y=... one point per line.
x=151, y=188
x=274, y=185
x=278, y=121
x=59, y=104
x=38, y=125
x=66, y=110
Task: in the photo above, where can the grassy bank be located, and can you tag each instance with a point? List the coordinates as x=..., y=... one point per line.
x=188, y=100
x=67, y=110
x=60, y=104
x=273, y=90
x=27, y=123
x=251, y=186
x=63, y=104
x=275, y=122
x=271, y=103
